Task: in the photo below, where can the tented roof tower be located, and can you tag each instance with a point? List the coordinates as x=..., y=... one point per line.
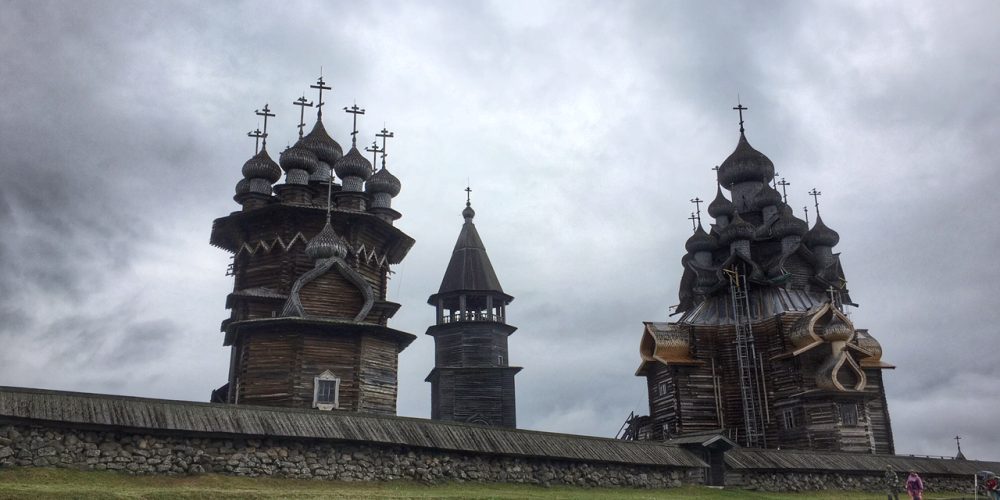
x=472, y=380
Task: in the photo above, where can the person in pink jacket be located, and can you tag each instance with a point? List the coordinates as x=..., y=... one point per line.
x=915, y=486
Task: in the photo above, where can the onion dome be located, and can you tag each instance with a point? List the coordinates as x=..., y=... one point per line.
x=788, y=224
x=243, y=186
x=700, y=241
x=468, y=212
x=745, y=164
x=353, y=164
x=321, y=144
x=738, y=229
x=258, y=185
x=298, y=158
x=720, y=205
x=868, y=343
x=837, y=328
x=767, y=197
x=326, y=244
x=263, y=167
x=383, y=182
x=322, y=173
x=820, y=235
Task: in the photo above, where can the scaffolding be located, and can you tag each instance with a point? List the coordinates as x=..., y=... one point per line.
x=746, y=357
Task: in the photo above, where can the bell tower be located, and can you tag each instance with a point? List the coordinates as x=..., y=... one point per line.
x=472, y=380
x=308, y=326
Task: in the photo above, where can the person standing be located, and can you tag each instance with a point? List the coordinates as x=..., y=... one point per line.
x=915, y=486
x=891, y=483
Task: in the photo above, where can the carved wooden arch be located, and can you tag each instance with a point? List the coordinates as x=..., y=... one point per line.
x=293, y=306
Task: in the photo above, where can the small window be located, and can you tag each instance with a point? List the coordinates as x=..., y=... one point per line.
x=789, y=419
x=326, y=391
x=849, y=414
x=662, y=389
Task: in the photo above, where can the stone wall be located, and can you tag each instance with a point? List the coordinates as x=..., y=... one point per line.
x=814, y=481
x=142, y=453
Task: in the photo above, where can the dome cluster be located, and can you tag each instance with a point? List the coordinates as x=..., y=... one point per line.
x=312, y=160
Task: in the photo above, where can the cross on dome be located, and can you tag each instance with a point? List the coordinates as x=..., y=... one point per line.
x=374, y=150
x=256, y=134
x=265, y=113
x=815, y=194
x=354, y=110
x=740, y=108
x=384, y=134
x=783, y=185
x=302, y=103
x=321, y=86
x=697, y=207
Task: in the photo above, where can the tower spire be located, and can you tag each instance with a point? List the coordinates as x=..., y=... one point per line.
x=302, y=103
x=740, y=108
x=815, y=194
x=266, y=112
x=384, y=134
x=321, y=86
x=355, y=110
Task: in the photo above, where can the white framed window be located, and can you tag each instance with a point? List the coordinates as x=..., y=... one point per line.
x=326, y=391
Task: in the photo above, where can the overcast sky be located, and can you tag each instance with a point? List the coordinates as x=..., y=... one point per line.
x=584, y=129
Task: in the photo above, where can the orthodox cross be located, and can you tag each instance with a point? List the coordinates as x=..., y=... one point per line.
x=692, y=219
x=783, y=185
x=265, y=113
x=374, y=150
x=384, y=134
x=302, y=104
x=697, y=206
x=775, y=180
x=321, y=86
x=815, y=194
x=355, y=110
x=256, y=134
x=833, y=295
x=741, y=108
x=958, y=440
x=716, y=168
x=468, y=196
x=806, y=210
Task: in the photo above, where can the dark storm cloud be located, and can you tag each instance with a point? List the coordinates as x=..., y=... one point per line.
x=584, y=128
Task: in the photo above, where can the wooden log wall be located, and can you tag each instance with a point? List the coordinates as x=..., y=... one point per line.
x=784, y=385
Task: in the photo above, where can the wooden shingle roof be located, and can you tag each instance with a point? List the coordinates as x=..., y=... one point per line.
x=73, y=409
x=755, y=459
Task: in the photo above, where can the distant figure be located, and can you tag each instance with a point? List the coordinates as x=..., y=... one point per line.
x=891, y=483
x=915, y=486
x=992, y=485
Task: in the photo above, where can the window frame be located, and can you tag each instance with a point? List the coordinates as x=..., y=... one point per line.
x=326, y=377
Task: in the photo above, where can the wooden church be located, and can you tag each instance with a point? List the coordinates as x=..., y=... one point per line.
x=472, y=380
x=311, y=259
x=763, y=350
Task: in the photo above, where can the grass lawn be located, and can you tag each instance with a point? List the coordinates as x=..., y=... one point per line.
x=40, y=483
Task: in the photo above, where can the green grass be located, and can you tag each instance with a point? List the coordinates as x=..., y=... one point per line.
x=41, y=483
